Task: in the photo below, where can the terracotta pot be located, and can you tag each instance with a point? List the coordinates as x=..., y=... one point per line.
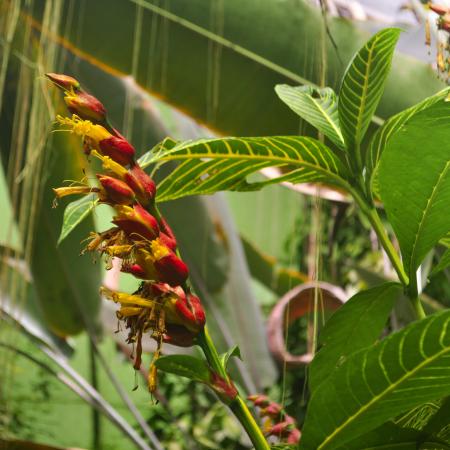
x=296, y=303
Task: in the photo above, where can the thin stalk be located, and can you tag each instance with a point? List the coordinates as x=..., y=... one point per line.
x=374, y=219
x=410, y=284
x=237, y=405
x=94, y=413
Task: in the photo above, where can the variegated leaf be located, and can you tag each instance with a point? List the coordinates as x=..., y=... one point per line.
x=211, y=165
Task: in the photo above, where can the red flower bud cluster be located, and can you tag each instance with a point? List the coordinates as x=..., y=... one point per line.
x=164, y=305
x=277, y=422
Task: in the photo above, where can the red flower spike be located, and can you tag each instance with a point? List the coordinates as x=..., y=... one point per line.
x=272, y=410
x=171, y=269
x=135, y=270
x=141, y=183
x=136, y=222
x=167, y=235
x=118, y=149
x=64, y=81
x=86, y=106
x=115, y=191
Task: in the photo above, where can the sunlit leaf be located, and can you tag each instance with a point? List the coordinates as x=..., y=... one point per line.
x=316, y=106
x=211, y=165
x=363, y=85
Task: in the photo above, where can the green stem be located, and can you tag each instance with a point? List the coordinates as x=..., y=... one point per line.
x=377, y=225
x=237, y=405
x=410, y=284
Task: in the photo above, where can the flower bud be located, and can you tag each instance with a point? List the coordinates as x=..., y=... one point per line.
x=272, y=410
x=86, y=106
x=64, y=81
x=169, y=267
x=73, y=190
x=259, y=400
x=115, y=191
x=136, y=222
x=167, y=236
x=294, y=436
x=118, y=149
x=143, y=186
x=135, y=270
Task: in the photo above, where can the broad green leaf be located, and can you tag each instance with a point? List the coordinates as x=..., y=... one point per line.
x=316, y=106
x=387, y=437
x=443, y=263
x=404, y=370
x=224, y=77
x=211, y=165
x=363, y=86
x=184, y=366
x=354, y=326
x=75, y=213
x=392, y=126
x=233, y=351
x=414, y=181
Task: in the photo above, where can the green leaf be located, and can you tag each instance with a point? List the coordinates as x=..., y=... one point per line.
x=234, y=96
x=316, y=106
x=404, y=370
x=440, y=420
x=184, y=366
x=392, y=126
x=387, y=437
x=414, y=182
x=443, y=263
x=74, y=214
x=354, y=326
x=233, y=351
x=211, y=165
x=363, y=86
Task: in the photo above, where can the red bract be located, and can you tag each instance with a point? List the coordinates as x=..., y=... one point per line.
x=179, y=335
x=118, y=149
x=64, y=81
x=115, y=191
x=171, y=269
x=86, y=106
x=136, y=222
x=143, y=186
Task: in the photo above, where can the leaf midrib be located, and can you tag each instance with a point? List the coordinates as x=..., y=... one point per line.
x=387, y=391
x=330, y=120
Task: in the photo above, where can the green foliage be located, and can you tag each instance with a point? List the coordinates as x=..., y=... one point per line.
x=415, y=165
x=362, y=88
x=316, y=106
x=354, y=326
x=75, y=212
x=379, y=382
x=184, y=366
x=211, y=165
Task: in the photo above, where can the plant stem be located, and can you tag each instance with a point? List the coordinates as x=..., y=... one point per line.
x=410, y=284
x=375, y=221
x=237, y=405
